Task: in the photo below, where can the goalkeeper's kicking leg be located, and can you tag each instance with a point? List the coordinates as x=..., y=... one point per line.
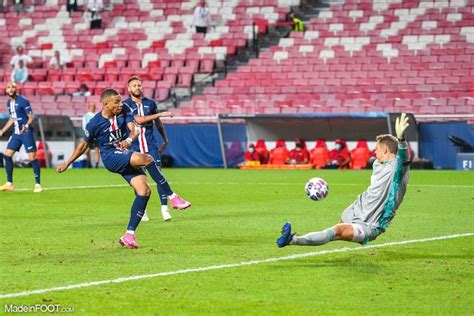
x=360, y=233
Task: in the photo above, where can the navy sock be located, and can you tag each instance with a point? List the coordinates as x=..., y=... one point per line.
x=137, y=211
x=36, y=170
x=163, y=196
x=163, y=186
x=164, y=199
x=9, y=168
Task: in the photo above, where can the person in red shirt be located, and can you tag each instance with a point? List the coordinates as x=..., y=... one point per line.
x=339, y=157
x=252, y=157
x=262, y=151
x=299, y=155
x=279, y=154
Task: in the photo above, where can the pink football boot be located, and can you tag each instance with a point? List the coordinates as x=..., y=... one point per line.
x=179, y=203
x=129, y=240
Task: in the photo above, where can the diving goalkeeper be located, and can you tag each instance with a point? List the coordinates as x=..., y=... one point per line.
x=374, y=209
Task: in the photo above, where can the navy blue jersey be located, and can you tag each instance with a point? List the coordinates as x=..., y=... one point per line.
x=108, y=132
x=146, y=140
x=19, y=110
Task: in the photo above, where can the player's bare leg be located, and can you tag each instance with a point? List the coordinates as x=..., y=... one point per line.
x=97, y=156
x=142, y=195
x=88, y=157
x=139, y=160
x=8, y=157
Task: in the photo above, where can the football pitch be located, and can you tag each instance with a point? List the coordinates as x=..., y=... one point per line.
x=219, y=257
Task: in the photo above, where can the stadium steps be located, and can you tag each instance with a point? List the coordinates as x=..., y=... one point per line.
x=272, y=38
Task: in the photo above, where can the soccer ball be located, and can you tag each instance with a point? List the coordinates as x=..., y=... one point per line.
x=316, y=189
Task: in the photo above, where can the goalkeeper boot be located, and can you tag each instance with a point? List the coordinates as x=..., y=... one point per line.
x=286, y=235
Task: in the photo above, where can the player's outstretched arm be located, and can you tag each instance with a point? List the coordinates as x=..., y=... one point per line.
x=78, y=152
x=148, y=118
x=401, y=124
x=6, y=127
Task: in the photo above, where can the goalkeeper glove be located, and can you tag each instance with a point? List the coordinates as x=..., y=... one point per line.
x=401, y=124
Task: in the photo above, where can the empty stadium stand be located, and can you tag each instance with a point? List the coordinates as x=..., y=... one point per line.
x=356, y=56
x=359, y=56
x=152, y=39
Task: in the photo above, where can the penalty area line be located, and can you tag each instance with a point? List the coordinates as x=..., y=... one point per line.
x=227, y=266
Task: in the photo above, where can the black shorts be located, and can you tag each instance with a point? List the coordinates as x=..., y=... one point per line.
x=201, y=29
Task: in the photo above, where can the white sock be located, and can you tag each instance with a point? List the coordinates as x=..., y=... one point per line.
x=9, y=183
x=172, y=196
x=131, y=232
x=164, y=208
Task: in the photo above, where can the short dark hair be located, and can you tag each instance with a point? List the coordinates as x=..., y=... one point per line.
x=390, y=141
x=133, y=78
x=107, y=93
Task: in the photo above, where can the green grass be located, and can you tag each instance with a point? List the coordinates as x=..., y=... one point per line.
x=63, y=237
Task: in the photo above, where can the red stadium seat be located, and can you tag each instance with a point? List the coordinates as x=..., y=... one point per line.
x=162, y=94
x=46, y=46
x=58, y=87
x=360, y=155
x=38, y=74
x=29, y=88
x=207, y=66
x=54, y=75
x=45, y=91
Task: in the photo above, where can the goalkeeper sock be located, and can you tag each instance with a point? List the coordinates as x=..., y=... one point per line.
x=315, y=239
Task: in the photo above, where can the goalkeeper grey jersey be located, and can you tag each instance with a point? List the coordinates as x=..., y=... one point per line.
x=378, y=204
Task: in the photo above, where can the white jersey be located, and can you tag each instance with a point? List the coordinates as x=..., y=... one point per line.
x=54, y=62
x=202, y=17
x=26, y=60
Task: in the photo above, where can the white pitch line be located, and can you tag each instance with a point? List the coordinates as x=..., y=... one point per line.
x=226, y=266
x=79, y=187
x=106, y=186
